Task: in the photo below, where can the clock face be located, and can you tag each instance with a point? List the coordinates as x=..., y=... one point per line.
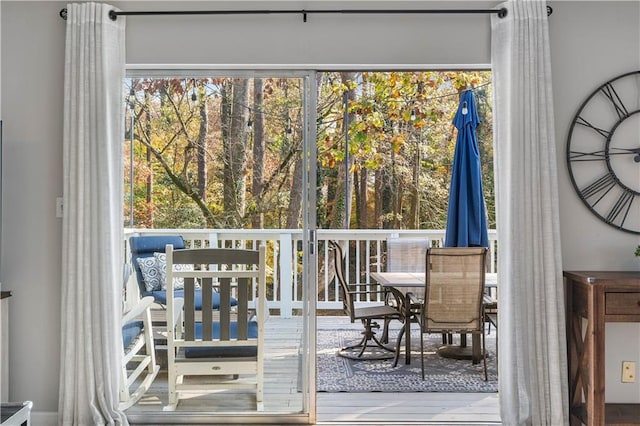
x=603, y=152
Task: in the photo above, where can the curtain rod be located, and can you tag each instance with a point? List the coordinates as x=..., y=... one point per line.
x=113, y=14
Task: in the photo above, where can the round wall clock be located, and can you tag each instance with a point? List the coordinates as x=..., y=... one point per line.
x=603, y=152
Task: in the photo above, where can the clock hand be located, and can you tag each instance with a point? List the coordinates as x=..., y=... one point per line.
x=636, y=151
x=626, y=150
x=601, y=154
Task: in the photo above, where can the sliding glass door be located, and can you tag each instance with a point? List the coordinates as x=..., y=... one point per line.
x=227, y=159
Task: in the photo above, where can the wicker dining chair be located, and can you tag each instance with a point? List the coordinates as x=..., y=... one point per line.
x=407, y=255
x=454, y=295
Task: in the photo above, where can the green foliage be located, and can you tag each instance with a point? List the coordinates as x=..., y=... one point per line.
x=400, y=123
x=400, y=146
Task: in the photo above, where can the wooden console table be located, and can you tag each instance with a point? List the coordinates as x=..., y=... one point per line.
x=598, y=297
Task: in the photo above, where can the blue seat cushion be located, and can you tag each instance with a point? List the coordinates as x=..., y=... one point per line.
x=130, y=331
x=224, y=352
x=160, y=296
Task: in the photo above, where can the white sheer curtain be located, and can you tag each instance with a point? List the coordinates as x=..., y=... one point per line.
x=533, y=365
x=92, y=224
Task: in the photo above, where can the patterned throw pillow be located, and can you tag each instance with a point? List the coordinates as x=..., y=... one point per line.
x=150, y=273
x=178, y=283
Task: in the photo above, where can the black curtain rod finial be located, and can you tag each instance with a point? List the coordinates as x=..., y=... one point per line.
x=502, y=13
x=113, y=15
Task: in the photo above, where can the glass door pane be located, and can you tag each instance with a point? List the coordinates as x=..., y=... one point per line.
x=219, y=158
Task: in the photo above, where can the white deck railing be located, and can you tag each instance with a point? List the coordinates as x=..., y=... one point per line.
x=284, y=253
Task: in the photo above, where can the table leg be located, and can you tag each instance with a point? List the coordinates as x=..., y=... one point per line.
x=475, y=348
x=398, y=344
x=473, y=353
x=407, y=325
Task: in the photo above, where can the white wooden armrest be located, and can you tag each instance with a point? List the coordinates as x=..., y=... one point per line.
x=146, y=369
x=253, y=314
x=137, y=310
x=178, y=304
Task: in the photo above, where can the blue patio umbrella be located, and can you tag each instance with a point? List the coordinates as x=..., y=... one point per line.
x=466, y=216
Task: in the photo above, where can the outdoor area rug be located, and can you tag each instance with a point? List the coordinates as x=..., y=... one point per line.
x=339, y=374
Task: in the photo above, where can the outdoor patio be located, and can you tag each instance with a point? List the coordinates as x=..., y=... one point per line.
x=285, y=329
x=282, y=390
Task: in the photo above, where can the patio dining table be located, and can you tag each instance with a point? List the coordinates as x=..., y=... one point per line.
x=402, y=282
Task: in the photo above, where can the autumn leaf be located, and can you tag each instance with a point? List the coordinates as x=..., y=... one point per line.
x=397, y=141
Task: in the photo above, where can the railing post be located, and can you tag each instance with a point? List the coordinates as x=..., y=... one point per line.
x=286, y=276
x=213, y=239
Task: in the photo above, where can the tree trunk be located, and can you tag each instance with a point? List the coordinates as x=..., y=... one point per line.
x=225, y=124
x=295, y=193
x=361, y=197
x=342, y=208
x=258, y=154
x=387, y=200
x=149, y=182
x=235, y=155
x=396, y=199
x=414, y=210
x=378, y=189
x=341, y=211
x=201, y=148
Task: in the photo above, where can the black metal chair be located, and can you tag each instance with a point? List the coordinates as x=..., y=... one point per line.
x=367, y=315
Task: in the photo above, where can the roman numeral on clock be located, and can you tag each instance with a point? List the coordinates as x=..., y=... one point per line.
x=613, y=97
x=583, y=122
x=587, y=156
x=599, y=188
x=622, y=205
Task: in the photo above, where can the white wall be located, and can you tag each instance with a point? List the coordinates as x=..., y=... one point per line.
x=591, y=42
x=32, y=87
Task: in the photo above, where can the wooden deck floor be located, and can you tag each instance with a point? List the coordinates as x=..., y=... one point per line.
x=281, y=393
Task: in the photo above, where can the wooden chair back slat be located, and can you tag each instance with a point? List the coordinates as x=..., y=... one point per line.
x=244, y=293
x=189, y=308
x=206, y=285
x=225, y=308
